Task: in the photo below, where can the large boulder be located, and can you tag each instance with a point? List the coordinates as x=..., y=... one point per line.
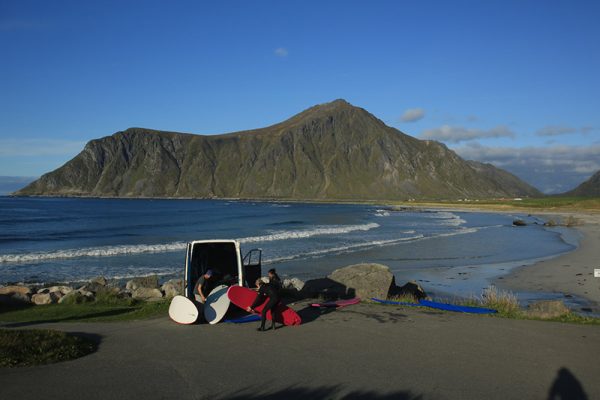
x=546, y=309
x=143, y=282
x=293, y=284
x=15, y=295
x=149, y=294
x=13, y=289
x=63, y=290
x=172, y=287
x=41, y=299
x=364, y=280
x=76, y=297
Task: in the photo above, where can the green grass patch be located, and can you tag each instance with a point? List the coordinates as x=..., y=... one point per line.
x=20, y=348
x=97, y=311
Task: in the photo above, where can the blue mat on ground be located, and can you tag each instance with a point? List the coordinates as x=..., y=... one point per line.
x=455, y=308
x=242, y=320
x=397, y=303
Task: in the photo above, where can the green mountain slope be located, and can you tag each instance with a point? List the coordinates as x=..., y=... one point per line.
x=330, y=151
x=589, y=188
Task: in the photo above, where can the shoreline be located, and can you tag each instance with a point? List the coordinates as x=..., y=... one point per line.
x=570, y=274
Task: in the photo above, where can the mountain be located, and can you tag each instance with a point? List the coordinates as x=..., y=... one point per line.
x=329, y=151
x=589, y=188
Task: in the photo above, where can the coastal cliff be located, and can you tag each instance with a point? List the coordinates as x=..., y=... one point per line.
x=329, y=151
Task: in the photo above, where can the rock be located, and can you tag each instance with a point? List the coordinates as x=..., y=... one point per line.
x=15, y=299
x=293, y=283
x=40, y=299
x=145, y=293
x=173, y=287
x=412, y=289
x=547, y=309
x=364, y=280
x=63, y=290
x=519, y=222
x=13, y=289
x=143, y=282
x=87, y=293
x=76, y=297
x=99, y=280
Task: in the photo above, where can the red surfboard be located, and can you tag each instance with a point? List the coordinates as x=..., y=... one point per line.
x=244, y=297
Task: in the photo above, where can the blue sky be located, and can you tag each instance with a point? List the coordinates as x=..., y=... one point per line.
x=514, y=83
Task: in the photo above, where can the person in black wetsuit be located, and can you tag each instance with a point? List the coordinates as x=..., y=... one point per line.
x=275, y=279
x=270, y=291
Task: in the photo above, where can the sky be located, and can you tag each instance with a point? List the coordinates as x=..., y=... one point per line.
x=513, y=83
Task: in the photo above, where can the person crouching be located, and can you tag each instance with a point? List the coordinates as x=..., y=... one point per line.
x=266, y=291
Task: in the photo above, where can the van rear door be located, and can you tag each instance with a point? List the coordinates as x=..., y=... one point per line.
x=252, y=267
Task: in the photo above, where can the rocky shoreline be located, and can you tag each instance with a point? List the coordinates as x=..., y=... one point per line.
x=360, y=280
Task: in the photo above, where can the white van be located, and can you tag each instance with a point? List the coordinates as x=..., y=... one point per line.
x=223, y=257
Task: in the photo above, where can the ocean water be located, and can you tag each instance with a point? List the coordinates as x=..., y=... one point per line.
x=61, y=239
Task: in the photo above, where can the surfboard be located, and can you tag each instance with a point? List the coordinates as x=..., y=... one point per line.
x=338, y=303
x=244, y=319
x=183, y=311
x=216, y=304
x=244, y=297
x=441, y=306
x=455, y=308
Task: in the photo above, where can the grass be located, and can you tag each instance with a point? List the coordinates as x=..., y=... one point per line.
x=507, y=305
x=19, y=348
x=548, y=203
x=105, y=308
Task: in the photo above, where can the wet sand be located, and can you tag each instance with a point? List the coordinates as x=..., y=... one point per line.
x=570, y=274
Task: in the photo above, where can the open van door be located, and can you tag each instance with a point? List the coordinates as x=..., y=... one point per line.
x=252, y=267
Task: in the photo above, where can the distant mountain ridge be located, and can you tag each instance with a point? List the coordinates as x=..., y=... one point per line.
x=329, y=151
x=589, y=188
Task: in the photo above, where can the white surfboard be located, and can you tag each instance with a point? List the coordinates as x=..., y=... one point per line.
x=216, y=304
x=183, y=311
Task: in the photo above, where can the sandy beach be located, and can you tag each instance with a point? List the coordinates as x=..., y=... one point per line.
x=570, y=274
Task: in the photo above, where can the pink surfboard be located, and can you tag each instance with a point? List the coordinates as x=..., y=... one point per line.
x=338, y=303
x=244, y=297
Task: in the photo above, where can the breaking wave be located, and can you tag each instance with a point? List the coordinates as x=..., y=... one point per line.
x=303, y=234
x=109, y=251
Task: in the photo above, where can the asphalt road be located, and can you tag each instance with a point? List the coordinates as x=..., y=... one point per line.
x=360, y=352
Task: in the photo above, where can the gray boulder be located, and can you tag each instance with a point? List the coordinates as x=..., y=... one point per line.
x=364, y=280
x=143, y=282
x=546, y=309
x=149, y=294
x=63, y=290
x=172, y=288
x=15, y=295
x=14, y=289
x=40, y=299
x=76, y=297
x=293, y=284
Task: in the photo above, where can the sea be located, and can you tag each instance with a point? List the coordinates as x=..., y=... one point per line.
x=453, y=253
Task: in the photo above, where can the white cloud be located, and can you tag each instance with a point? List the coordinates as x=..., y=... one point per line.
x=556, y=130
x=39, y=147
x=457, y=134
x=552, y=169
x=412, y=115
x=281, y=52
